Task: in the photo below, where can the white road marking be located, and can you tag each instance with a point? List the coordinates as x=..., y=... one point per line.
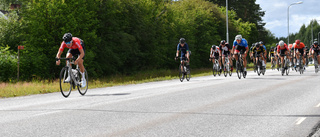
x=300, y=120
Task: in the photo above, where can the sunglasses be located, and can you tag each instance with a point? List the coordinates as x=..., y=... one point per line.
x=68, y=42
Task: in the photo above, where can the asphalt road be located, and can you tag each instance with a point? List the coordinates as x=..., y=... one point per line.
x=264, y=106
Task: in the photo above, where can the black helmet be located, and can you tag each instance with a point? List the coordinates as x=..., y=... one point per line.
x=315, y=42
x=67, y=37
x=271, y=48
x=182, y=41
x=223, y=42
x=213, y=47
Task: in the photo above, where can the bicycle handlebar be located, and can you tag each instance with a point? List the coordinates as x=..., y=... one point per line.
x=65, y=58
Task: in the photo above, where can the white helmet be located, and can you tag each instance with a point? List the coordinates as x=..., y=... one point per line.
x=238, y=37
x=281, y=43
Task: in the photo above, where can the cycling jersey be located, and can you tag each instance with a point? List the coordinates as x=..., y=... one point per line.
x=315, y=49
x=282, y=50
x=225, y=49
x=76, y=44
x=215, y=52
x=271, y=52
x=261, y=49
x=300, y=46
x=184, y=49
x=243, y=45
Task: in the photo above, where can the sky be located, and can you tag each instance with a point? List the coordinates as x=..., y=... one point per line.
x=276, y=15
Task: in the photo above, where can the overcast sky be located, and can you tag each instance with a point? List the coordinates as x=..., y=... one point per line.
x=276, y=15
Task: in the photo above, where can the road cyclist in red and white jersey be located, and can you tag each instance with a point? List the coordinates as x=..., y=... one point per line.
x=282, y=50
x=215, y=53
x=76, y=47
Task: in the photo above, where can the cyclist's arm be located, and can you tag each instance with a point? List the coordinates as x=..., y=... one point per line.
x=177, y=54
x=81, y=54
x=59, y=54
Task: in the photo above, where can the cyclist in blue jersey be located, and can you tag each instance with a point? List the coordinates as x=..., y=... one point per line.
x=240, y=45
x=183, y=46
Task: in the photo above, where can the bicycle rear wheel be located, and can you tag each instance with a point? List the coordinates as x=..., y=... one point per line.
x=65, y=87
x=82, y=90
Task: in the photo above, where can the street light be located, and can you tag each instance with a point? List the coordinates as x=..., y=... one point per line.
x=300, y=2
x=227, y=21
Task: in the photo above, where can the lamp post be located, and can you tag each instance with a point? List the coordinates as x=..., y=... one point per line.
x=288, y=15
x=227, y=21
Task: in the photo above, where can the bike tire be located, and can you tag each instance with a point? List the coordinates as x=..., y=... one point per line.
x=82, y=90
x=65, y=87
x=238, y=71
x=214, y=70
x=188, y=76
x=181, y=74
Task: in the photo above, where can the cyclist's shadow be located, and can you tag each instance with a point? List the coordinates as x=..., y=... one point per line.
x=115, y=94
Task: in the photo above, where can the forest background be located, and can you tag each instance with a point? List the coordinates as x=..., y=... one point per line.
x=124, y=37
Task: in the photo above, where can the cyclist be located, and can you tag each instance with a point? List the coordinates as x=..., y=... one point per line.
x=276, y=57
x=215, y=53
x=299, y=49
x=225, y=51
x=76, y=47
x=183, y=46
x=240, y=45
x=251, y=53
x=271, y=56
x=282, y=50
x=259, y=51
x=315, y=50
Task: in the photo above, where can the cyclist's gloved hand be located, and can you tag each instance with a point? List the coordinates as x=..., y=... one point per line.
x=176, y=58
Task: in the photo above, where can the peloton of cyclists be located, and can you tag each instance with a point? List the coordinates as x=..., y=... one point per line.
x=225, y=50
x=240, y=45
x=215, y=53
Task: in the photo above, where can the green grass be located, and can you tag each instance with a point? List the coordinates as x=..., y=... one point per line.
x=41, y=87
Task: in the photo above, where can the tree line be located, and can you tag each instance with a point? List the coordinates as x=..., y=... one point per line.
x=120, y=36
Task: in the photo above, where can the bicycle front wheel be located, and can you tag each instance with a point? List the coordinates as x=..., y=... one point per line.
x=181, y=75
x=65, y=86
x=82, y=90
x=188, y=75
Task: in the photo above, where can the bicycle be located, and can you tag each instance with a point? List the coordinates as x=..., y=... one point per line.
x=215, y=67
x=184, y=72
x=226, y=67
x=300, y=67
x=260, y=68
x=286, y=66
x=316, y=63
x=240, y=67
x=273, y=63
x=75, y=78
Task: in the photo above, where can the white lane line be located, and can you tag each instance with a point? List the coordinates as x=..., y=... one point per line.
x=318, y=105
x=300, y=120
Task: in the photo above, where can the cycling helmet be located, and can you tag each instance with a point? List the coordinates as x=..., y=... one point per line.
x=182, y=41
x=238, y=37
x=67, y=37
x=213, y=47
x=223, y=42
x=315, y=43
x=297, y=41
x=281, y=43
x=271, y=47
x=261, y=42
